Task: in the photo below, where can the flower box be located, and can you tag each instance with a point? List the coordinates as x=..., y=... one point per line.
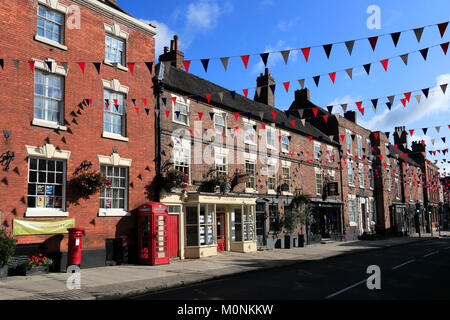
x=32, y=271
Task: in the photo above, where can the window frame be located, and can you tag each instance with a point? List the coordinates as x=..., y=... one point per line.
x=58, y=9
x=252, y=177
x=123, y=116
x=47, y=75
x=223, y=126
x=116, y=211
x=174, y=114
x=123, y=62
x=177, y=166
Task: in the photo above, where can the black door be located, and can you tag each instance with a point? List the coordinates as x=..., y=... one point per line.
x=260, y=224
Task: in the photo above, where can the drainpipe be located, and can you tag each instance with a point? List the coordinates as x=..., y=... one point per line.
x=342, y=194
x=159, y=88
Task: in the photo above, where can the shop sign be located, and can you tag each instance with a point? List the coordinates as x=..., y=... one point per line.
x=332, y=189
x=33, y=227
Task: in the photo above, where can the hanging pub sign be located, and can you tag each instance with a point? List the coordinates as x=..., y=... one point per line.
x=332, y=189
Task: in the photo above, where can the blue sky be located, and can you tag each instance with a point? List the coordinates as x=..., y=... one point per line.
x=212, y=28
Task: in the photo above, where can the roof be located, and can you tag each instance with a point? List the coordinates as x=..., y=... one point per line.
x=191, y=85
x=114, y=5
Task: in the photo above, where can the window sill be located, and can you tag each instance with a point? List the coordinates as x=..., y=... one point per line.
x=251, y=143
x=113, y=213
x=284, y=193
x=43, y=212
x=180, y=123
x=271, y=148
x=50, y=42
x=271, y=192
x=114, y=136
x=48, y=124
x=250, y=190
x=353, y=224
x=119, y=66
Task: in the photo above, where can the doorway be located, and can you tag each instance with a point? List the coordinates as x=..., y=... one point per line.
x=261, y=224
x=220, y=225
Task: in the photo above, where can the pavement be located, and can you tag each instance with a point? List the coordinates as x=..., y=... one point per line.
x=126, y=281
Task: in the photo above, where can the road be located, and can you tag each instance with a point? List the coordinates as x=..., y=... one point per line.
x=414, y=271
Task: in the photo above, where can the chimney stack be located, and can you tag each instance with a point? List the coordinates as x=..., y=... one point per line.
x=400, y=137
x=174, y=56
x=266, y=96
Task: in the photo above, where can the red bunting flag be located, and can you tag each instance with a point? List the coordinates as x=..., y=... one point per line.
x=342, y=137
x=31, y=64
x=306, y=53
x=293, y=123
x=174, y=100
x=442, y=27
x=200, y=115
x=315, y=111
x=373, y=42
x=325, y=117
x=236, y=128
x=332, y=76
x=310, y=139
x=376, y=136
x=403, y=101
x=137, y=110
x=385, y=63
x=131, y=67
x=362, y=111
x=395, y=146
x=167, y=113
x=286, y=86
x=274, y=114
x=236, y=115
x=411, y=132
x=245, y=92
x=359, y=104
x=279, y=138
x=90, y=102
x=263, y=126
x=81, y=65
x=186, y=64
x=208, y=97
x=408, y=96
x=144, y=101
x=245, y=60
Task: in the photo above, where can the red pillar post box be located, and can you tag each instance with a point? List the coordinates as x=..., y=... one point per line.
x=74, y=252
x=153, y=233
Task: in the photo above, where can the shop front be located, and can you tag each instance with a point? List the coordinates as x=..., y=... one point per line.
x=324, y=220
x=210, y=223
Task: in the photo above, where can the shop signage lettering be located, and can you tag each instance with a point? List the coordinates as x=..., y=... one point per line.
x=30, y=227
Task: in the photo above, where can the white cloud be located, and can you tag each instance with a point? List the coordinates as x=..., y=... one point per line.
x=274, y=57
x=163, y=36
x=287, y=25
x=436, y=104
x=345, y=99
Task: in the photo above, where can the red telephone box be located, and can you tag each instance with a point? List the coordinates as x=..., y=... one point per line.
x=153, y=233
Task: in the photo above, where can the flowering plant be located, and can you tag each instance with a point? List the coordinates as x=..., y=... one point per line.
x=90, y=182
x=175, y=178
x=39, y=260
x=223, y=182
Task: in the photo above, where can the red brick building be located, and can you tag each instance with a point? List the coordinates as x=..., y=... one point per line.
x=270, y=156
x=60, y=113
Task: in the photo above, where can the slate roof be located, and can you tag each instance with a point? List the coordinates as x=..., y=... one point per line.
x=191, y=85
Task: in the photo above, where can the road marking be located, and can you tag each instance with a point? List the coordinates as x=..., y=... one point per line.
x=403, y=264
x=343, y=290
x=431, y=253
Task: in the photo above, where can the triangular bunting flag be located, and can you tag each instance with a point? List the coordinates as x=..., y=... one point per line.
x=261, y=115
x=200, y=115
x=373, y=42
x=81, y=65
x=305, y=52
x=167, y=113
x=245, y=91
x=437, y=128
x=205, y=63
x=367, y=68
x=395, y=36
x=385, y=63
x=418, y=96
x=425, y=130
x=444, y=47
x=293, y=123
x=325, y=117
x=97, y=66
x=245, y=60
x=264, y=57
x=16, y=64
x=327, y=49
x=233, y=94
x=403, y=101
x=147, y=110
x=211, y=115
x=425, y=92
x=444, y=87
x=186, y=64
x=300, y=113
x=236, y=115
x=2, y=64
x=287, y=113
x=149, y=66
x=303, y=121
x=330, y=109
x=344, y=107
x=404, y=58
x=442, y=27
x=332, y=76
x=302, y=83
x=349, y=45
x=411, y=132
x=31, y=64
x=137, y=110
x=418, y=33
x=274, y=114
x=220, y=96
x=272, y=87
x=224, y=61
x=131, y=66
x=316, y=80
x=285, y=55
x=424, y=53
x=408, y=96
x=286, y=86
x=391, y=99
x=349, y=72
x=315, y=110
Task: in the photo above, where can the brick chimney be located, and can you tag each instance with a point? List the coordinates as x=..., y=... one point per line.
x=400, y=137
x=174, y=56
x=266, y=95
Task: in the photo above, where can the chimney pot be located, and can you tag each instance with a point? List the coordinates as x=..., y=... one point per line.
x=175, y=38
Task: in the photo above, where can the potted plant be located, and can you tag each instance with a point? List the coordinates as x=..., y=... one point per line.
x=7, y=248
x=175, y=179
x=39, y=264
x=299, y=203
x=90, y=182
x=223, y=182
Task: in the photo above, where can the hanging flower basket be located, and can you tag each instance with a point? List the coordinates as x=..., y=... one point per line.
x=91, y=182
x=175, y=179
x=223, y=182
